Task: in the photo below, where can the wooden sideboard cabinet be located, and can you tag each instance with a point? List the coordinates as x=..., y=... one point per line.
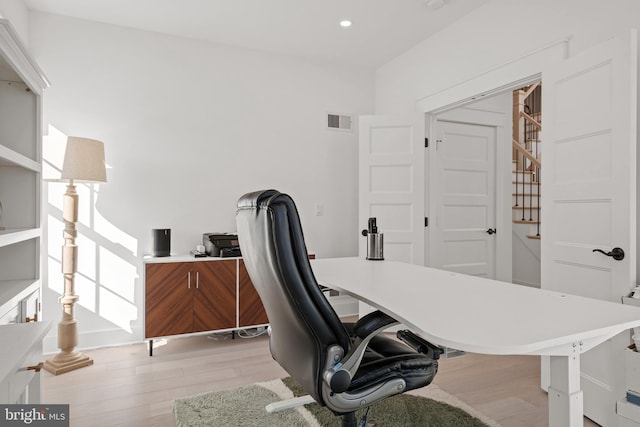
x=186, y=295
x=250, y=309
x=214, y=306
x=168, y=300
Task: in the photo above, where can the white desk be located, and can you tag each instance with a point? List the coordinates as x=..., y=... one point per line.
x=486, y=316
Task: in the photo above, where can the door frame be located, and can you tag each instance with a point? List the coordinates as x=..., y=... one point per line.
x=514, y=74
x=511, y=75
x=502, y=190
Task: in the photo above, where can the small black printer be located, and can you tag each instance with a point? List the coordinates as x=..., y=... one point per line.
x=221, y=244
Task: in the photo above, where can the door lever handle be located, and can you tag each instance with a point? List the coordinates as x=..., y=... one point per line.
x=491, y=231
x=616, y=253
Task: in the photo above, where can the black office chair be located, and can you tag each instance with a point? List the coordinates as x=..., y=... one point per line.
x=342, y=366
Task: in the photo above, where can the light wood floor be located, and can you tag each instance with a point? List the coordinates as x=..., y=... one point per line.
x=126, y=387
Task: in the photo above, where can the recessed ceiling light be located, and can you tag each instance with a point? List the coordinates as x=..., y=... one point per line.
x=345, y=24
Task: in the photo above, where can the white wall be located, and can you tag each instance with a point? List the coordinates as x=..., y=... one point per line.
x=18, y=14
x=497, y=32
x=525, y=257
x=188, y=128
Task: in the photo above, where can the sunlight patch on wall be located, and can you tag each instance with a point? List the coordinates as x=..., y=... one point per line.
x=54, y=238
x=116, y=309
x=86, y=257
x=86, y=290
x=116, y=235
x=55, y=282
x=85, y=204
x=53, y=145
x=117, y=275
x=54, y=196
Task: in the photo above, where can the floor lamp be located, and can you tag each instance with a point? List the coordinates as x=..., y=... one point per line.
x=83, y=162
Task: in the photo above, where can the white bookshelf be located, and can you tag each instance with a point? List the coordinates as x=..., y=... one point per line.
x=15, y=290
x=8, y=157
x=10, y=236
x=21, y=87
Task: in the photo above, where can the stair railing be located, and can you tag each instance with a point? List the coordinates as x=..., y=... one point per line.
x=526, y=136
x=528, y=156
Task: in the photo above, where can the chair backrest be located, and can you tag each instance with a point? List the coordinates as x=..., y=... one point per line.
x=303, y=323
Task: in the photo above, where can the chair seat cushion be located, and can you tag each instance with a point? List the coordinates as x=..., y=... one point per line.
x=387, y=358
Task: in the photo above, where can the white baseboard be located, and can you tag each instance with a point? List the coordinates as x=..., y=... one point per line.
x=96, y=339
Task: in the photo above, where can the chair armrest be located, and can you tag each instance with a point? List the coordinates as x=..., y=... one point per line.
x=372, y=322
x=338, y=374
x=419, y=344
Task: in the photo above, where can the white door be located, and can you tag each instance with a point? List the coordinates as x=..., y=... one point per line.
x=589, y=197
x=391, y=187
x=464, y=195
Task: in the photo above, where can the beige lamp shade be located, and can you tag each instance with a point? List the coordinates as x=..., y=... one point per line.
x=84, y=160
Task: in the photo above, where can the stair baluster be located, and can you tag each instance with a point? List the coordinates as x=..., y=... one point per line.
x=517, y=195
x=538, y=197
x=539, y=98
x=532, y=131
x=524, y=163
x=527, y=144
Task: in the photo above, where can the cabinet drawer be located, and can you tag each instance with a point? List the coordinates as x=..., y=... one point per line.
x=17, y=383
x=22, y=378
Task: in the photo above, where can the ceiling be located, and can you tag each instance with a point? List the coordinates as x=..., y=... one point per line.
x=381, y=30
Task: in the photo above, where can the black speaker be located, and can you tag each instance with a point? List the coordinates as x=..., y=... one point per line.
x=161, y=241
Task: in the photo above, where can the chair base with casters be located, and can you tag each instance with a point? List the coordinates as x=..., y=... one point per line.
x=342, y=366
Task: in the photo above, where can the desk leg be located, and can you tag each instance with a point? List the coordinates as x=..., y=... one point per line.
x=565, y=396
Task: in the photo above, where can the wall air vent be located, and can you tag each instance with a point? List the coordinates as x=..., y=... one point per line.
x=339, y=122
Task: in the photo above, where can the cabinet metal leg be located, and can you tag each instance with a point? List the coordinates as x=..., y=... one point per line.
x=150, y=348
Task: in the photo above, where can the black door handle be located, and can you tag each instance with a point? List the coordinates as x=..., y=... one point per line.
x=616, y=253
x=491, y=231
